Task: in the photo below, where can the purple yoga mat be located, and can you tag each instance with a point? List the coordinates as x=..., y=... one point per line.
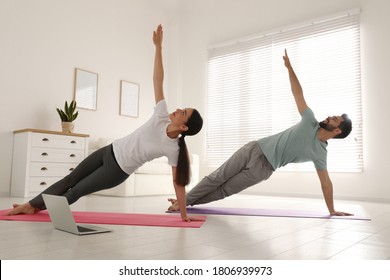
x=266, y=212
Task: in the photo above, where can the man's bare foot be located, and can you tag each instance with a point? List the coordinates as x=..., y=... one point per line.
x=25, y=208
x=174, y=206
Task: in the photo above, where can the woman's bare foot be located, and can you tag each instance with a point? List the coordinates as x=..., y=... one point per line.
x=174, y=206
x=25, y=208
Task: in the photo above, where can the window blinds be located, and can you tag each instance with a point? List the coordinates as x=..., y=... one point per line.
x=249, y=95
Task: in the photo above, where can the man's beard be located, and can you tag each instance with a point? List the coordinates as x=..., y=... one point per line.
x=326, y=126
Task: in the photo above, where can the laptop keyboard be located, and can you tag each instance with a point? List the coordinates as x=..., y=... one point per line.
x=83, y=229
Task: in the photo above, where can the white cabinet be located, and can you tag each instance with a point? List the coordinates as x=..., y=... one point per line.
x=41, y=158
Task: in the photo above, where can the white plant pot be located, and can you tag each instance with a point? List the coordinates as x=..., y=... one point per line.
x=67, y=127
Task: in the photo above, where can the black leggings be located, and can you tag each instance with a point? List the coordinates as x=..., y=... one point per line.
x=97, y=172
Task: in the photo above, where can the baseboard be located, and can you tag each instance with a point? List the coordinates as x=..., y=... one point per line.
x=4, y=194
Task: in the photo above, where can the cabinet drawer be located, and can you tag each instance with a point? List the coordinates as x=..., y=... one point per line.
x=51, y=169
x=57, y=141
x=39, y=184
x=56, y=155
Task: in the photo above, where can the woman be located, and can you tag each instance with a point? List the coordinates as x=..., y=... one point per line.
x=162, y=135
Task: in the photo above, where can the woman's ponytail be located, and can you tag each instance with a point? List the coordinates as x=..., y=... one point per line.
x=194, y=124
x=183, y=164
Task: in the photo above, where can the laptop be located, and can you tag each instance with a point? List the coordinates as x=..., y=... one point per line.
x=62, y=218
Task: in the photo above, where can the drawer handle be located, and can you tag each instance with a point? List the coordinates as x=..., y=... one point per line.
x=43, y=184
x=45, y=140
x=72, y=155
x=43, y=168
x=44, y=154
x=73, y=142
x=71, y=169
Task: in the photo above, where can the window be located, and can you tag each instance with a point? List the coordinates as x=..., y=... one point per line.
x=249, y=96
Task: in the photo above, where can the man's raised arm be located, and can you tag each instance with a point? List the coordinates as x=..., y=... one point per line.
x=295, y=85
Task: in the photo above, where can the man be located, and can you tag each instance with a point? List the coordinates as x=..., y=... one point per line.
x=257, y=160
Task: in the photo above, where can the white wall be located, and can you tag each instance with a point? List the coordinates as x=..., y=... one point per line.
x=42, y=41
x=204, y=23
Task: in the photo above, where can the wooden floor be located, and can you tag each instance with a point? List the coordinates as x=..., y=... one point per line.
x=220, y=238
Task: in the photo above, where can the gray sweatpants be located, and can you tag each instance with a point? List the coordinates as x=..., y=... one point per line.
x=246, y=167
x=96, y=172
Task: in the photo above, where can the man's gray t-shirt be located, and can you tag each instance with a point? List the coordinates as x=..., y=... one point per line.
x=299, y=143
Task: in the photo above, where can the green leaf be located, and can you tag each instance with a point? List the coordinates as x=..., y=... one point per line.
x=59, y=113
x=62, y=115
x=73, y=104
x=72, y=108
x=75, y=116
x=66, y=107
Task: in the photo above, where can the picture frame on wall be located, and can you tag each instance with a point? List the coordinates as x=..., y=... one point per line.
x=85, y=89
x=129, y=99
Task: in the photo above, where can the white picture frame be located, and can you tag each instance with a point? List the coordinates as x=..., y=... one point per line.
x=129, y=99
x=86, y=89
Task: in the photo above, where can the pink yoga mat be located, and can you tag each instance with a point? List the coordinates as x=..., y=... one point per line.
x=266, y=212
x=112, y=219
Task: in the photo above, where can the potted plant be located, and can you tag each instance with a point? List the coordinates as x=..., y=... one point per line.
x=68, y=115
